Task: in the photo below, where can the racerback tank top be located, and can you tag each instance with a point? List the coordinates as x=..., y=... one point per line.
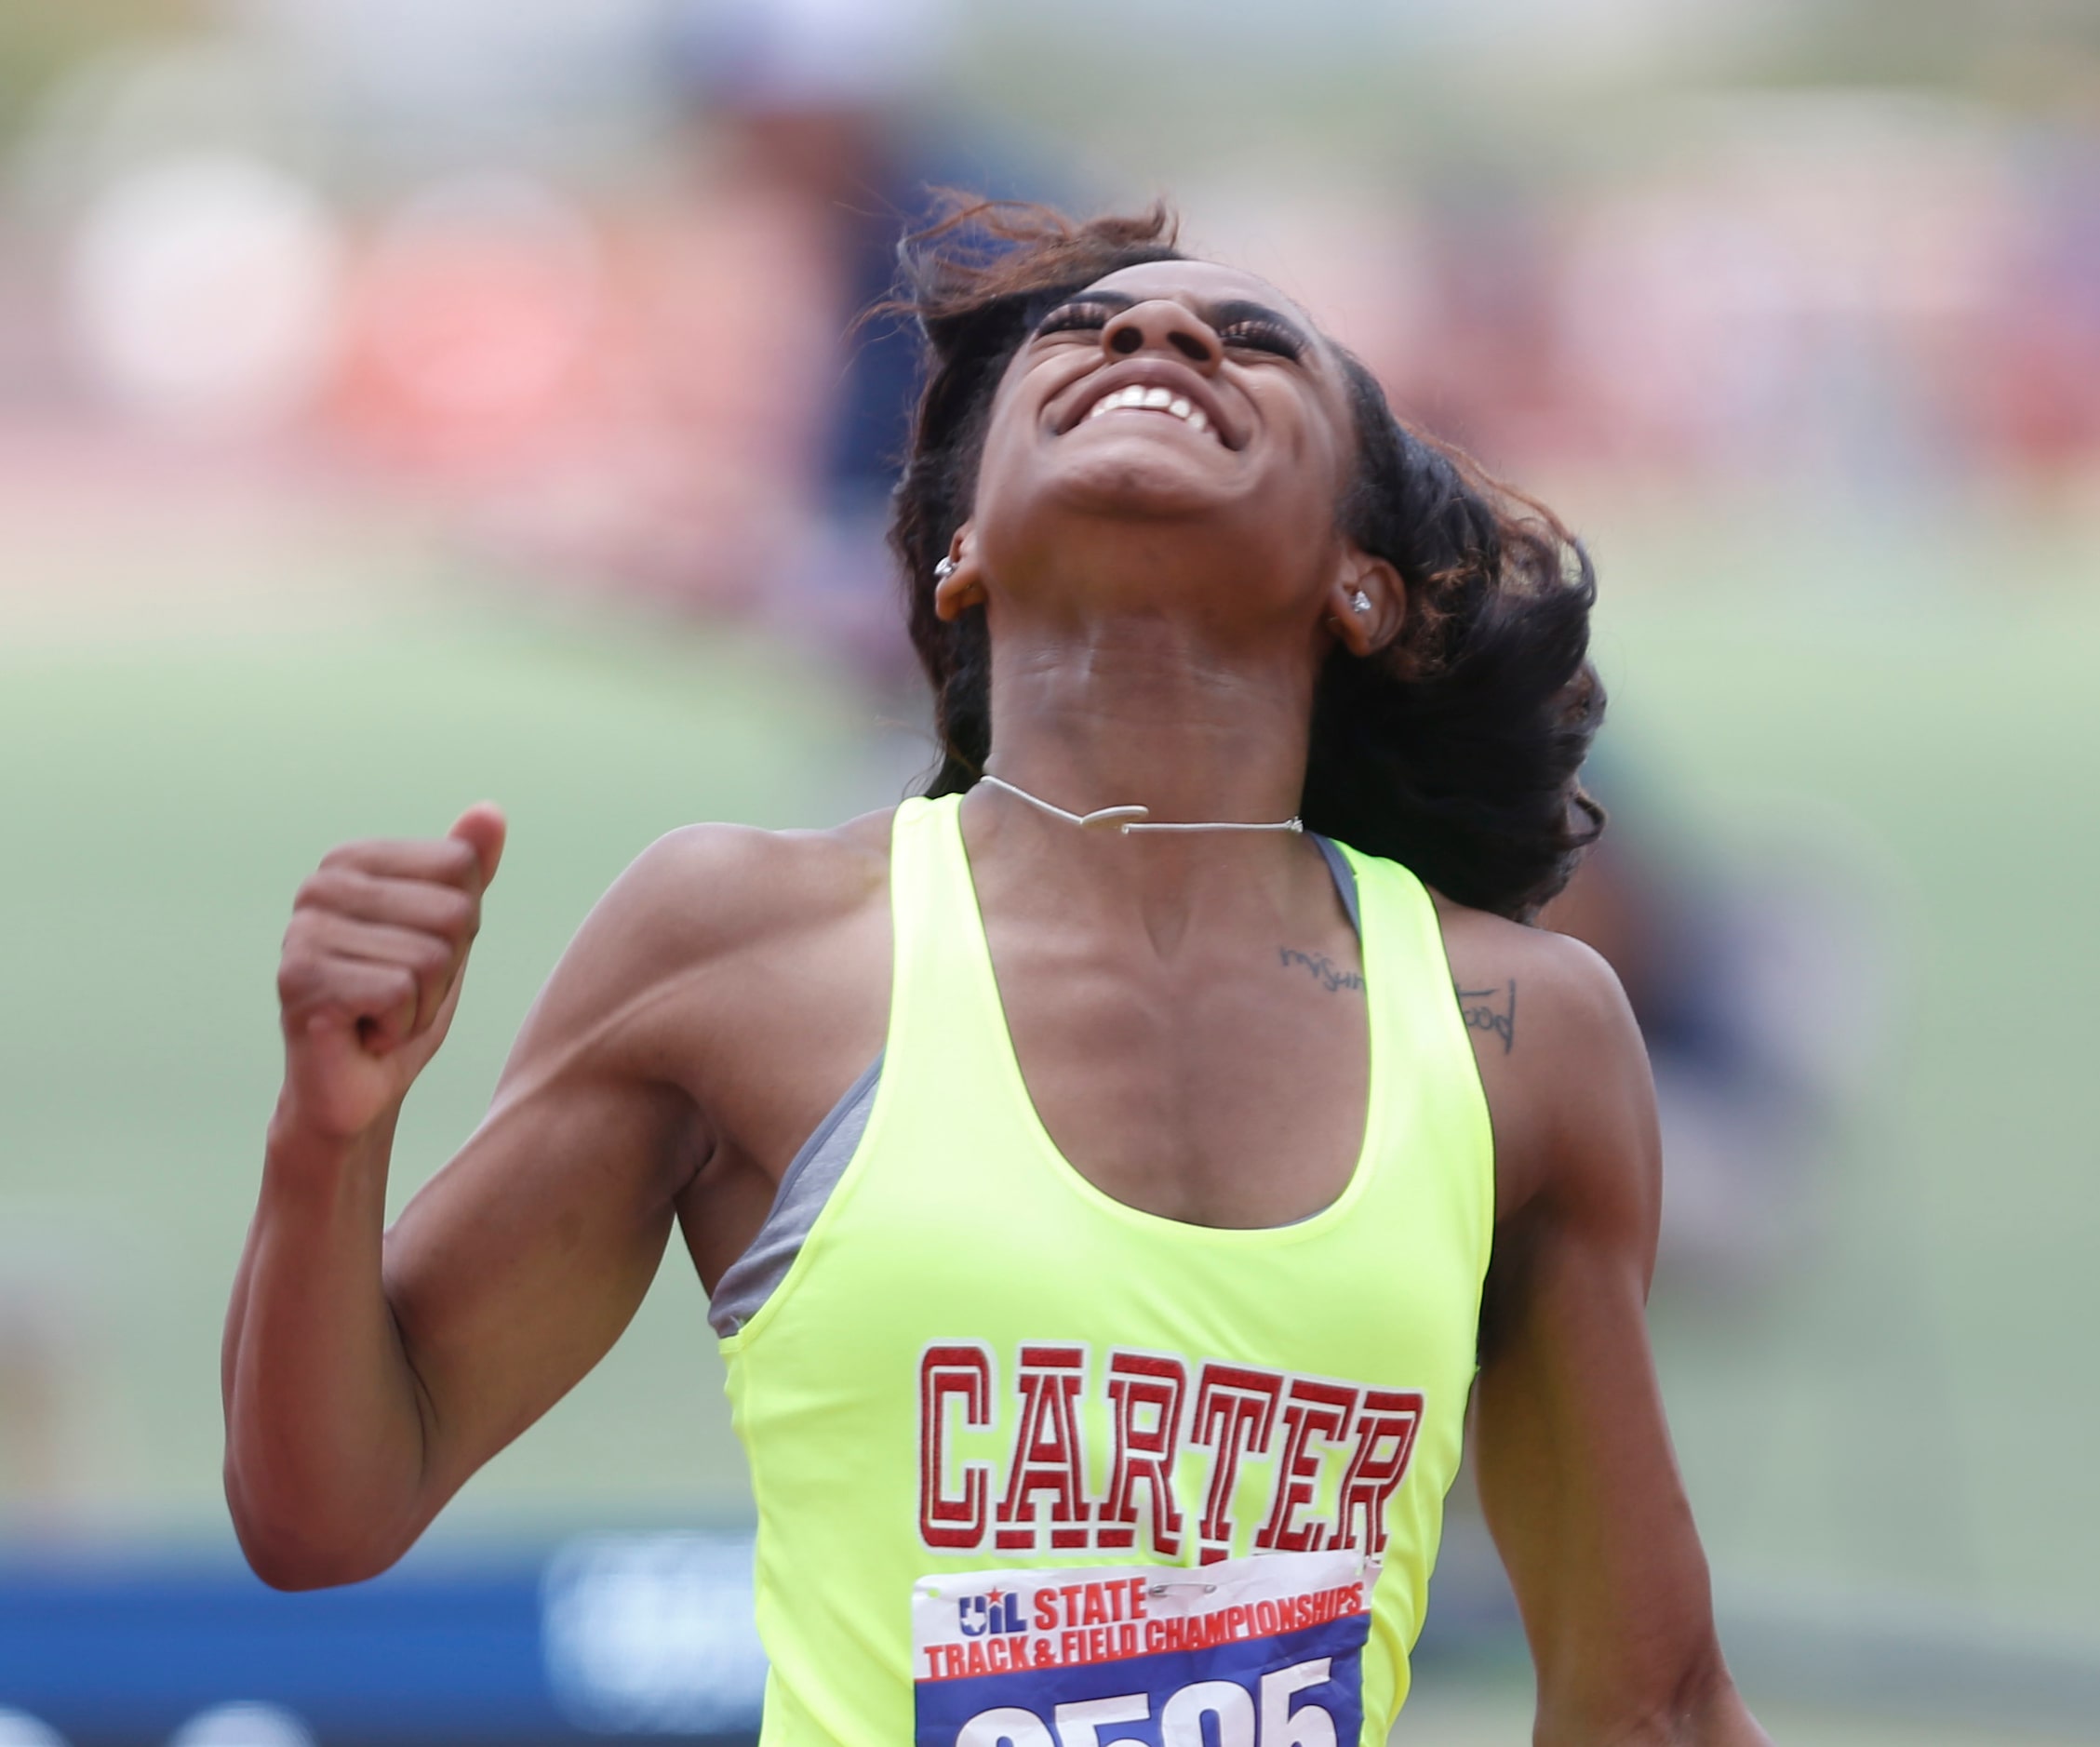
x=1036, y=1469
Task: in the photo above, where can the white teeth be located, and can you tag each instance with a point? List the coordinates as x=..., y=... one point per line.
x=1139, y=398
x=1121, y=397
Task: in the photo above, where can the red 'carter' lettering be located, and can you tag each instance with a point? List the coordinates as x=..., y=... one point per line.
x=1234, y=1414
x=1385, y=1429
x=963, y=1372
x=1146, y=1394
x=1046, y=1452
x=1310, y=1410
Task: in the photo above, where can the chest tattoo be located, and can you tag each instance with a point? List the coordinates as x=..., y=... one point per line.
x=1323, y=970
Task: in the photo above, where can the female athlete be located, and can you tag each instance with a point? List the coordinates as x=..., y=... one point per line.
x=1109, y=1215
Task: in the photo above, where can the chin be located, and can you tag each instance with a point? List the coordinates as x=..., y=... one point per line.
x=1134, y=480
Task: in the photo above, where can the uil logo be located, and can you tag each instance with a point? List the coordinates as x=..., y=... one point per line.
x=996, y=1614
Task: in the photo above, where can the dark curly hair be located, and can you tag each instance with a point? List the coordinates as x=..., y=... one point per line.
x=1457, y=749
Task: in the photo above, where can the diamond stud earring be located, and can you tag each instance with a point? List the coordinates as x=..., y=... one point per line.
x=1360, y=601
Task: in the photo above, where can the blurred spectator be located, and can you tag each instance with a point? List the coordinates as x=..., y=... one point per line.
x=643, y=372
x=830, y=108
x=1733, y=972
x=203, y=289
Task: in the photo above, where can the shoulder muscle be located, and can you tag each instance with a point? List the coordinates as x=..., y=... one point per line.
x=1564, y=1069
x=696, y=912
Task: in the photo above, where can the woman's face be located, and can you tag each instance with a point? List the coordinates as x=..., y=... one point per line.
x=1182, y=415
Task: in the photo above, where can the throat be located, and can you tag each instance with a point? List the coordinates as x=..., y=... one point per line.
x=1139, y=716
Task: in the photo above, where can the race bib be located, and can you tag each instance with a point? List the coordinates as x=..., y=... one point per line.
x=1257, y=1652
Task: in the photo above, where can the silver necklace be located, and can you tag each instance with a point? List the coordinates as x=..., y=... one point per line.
x=1124, y=819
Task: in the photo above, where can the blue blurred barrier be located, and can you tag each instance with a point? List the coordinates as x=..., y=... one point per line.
x=614, y=1635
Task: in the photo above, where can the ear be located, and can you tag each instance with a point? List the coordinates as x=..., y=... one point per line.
x=1366, y=602
x=963, y=587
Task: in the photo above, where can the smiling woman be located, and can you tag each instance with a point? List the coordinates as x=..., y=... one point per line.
x=1455, y=749
x=1110, y=1203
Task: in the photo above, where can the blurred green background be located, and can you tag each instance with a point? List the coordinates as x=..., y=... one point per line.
x=1849, y=630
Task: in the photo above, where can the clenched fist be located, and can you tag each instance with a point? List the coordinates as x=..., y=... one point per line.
x=371, y=970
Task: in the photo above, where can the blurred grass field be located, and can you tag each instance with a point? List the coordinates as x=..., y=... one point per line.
x=1900, y=1424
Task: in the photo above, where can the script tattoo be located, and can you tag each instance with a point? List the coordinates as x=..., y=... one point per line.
x=1491, y=1010
x=1332, y=977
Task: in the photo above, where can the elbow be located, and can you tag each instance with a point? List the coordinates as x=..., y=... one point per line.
x=294, y=1569
x=295, y=1550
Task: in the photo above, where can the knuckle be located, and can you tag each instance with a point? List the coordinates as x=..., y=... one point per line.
x=296, y=979
x=330, y=889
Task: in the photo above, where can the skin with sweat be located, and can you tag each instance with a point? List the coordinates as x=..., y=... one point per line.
x=1161, y=591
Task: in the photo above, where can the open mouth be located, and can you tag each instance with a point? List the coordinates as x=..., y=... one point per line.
x=1139, y=398
x=1152, y=386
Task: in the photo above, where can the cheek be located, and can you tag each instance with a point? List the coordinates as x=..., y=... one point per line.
x=1331, y=447
x=1310, y=435
x=1310, y=477
x=1006, y=457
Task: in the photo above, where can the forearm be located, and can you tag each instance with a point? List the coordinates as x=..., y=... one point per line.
x=1613, y=1582
x=326, y=1435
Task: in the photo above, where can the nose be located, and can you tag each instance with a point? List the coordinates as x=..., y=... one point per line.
x=1161, y=324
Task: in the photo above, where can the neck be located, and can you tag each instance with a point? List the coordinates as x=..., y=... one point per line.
x=1140, y=712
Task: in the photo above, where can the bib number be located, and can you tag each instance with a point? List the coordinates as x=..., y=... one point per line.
x=1259, y=1652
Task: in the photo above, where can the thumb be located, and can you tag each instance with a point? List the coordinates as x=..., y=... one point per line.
x=481, y=827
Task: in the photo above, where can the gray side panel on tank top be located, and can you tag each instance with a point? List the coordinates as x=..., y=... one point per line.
x=1344, y=879
x=751, y=1279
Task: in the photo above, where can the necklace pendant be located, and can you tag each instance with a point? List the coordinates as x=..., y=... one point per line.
x=1127, y=819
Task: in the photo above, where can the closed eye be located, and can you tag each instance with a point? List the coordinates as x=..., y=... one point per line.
x=1262, y=336
x=1239, y=326
x=1080, y=316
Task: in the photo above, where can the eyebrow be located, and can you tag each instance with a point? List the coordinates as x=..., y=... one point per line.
x=1219, y=315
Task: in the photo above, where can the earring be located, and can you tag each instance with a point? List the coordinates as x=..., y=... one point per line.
x=944, y=569
x=1360, y=601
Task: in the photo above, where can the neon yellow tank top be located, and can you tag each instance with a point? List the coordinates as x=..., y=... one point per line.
x=1036, y=1469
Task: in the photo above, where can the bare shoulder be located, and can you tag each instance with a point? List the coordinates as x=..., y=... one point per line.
x=705, y=891
x=1562, y=1061
x=1569, y=999
x=703, y=908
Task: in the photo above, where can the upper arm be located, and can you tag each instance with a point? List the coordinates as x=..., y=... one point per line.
x=517, y=1266
x=1575, y=1469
